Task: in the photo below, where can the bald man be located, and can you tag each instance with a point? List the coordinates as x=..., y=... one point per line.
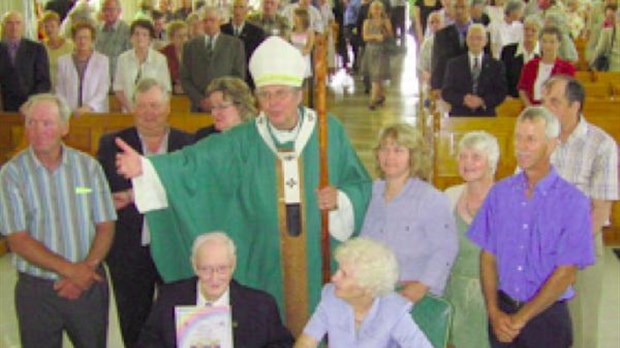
x=24, y=66
x=475, y=82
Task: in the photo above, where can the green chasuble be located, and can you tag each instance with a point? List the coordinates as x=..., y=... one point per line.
x=229, y=182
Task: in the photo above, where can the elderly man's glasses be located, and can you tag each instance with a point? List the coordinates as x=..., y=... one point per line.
x=209, y=270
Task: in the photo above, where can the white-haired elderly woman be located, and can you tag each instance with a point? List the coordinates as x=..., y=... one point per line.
x=478, y=154
x=409, y=215
x=359, y=308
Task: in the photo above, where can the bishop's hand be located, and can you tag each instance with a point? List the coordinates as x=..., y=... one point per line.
x=128, y=160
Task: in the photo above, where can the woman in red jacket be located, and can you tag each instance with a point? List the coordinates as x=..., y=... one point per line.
x=538, y=70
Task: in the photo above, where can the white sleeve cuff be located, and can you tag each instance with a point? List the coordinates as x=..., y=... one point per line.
x=341, y=220
x=149, y=193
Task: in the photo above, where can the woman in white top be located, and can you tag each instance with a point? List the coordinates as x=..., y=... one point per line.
x=139, y=62
x=83, y=78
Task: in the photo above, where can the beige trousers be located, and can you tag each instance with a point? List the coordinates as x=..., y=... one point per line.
x=585, y=307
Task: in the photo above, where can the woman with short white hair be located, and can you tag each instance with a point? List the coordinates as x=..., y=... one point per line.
x=478, y=154
x=359, y=308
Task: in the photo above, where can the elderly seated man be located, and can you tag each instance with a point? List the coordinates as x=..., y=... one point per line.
x=255, y=316
x=475, y=82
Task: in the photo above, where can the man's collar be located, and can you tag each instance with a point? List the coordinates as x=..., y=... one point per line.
x=580, y=130
x=480, y=56
x=543, y=185
x=64, y=157
x=201, y=301
x=10, y=42
x=521, y=49
x=113, y=26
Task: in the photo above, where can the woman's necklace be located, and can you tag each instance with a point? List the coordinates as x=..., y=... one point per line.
x=471, y=212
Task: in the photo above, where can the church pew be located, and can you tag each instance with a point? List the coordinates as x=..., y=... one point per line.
x=609, y=106
x=178, y=103
x=580, y=45
x=85, y=131
x=449, y=131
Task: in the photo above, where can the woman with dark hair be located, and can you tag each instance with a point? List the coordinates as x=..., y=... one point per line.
x=538, y=70
x=83, y=76
x=139, y=62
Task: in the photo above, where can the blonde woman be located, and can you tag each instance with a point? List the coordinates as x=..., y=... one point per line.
x=55, y=44
x=376, y=61
x=409, y=215
x=478, y=154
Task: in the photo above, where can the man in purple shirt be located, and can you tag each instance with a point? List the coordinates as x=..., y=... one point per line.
x=535, y=231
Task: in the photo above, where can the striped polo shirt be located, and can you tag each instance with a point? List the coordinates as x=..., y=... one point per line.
x=59, y=209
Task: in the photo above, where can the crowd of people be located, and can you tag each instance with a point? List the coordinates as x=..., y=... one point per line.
x=231, y=215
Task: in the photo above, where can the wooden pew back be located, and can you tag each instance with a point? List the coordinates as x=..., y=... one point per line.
x=85, y=131
x=608, y=107
x=178, y=103
x=451, y=130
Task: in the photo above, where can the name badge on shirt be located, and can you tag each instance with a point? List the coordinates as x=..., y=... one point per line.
x=82, y=190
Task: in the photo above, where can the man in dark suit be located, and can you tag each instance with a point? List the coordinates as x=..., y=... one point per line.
x=24, y=66
x=132, y=269
x=206, y=57
x=255, y=318
x=475, y=82
x=250, y=34
x=450, y=41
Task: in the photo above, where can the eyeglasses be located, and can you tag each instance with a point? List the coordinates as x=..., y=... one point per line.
x=209, y=270
x=279, y=94
x=222, y=106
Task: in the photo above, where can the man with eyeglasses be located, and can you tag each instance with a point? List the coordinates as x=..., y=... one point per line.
x=131, y=267
x=255, y=318
x=259, y=181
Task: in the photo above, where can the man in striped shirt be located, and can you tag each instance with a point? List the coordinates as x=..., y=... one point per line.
x=57, y=214
x=587, y=157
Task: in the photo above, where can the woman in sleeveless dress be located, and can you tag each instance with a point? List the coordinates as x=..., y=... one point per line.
x=478, y=153
x=376, y=61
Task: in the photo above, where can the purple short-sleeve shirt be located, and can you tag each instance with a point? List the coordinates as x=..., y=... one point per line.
x=531, y=237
